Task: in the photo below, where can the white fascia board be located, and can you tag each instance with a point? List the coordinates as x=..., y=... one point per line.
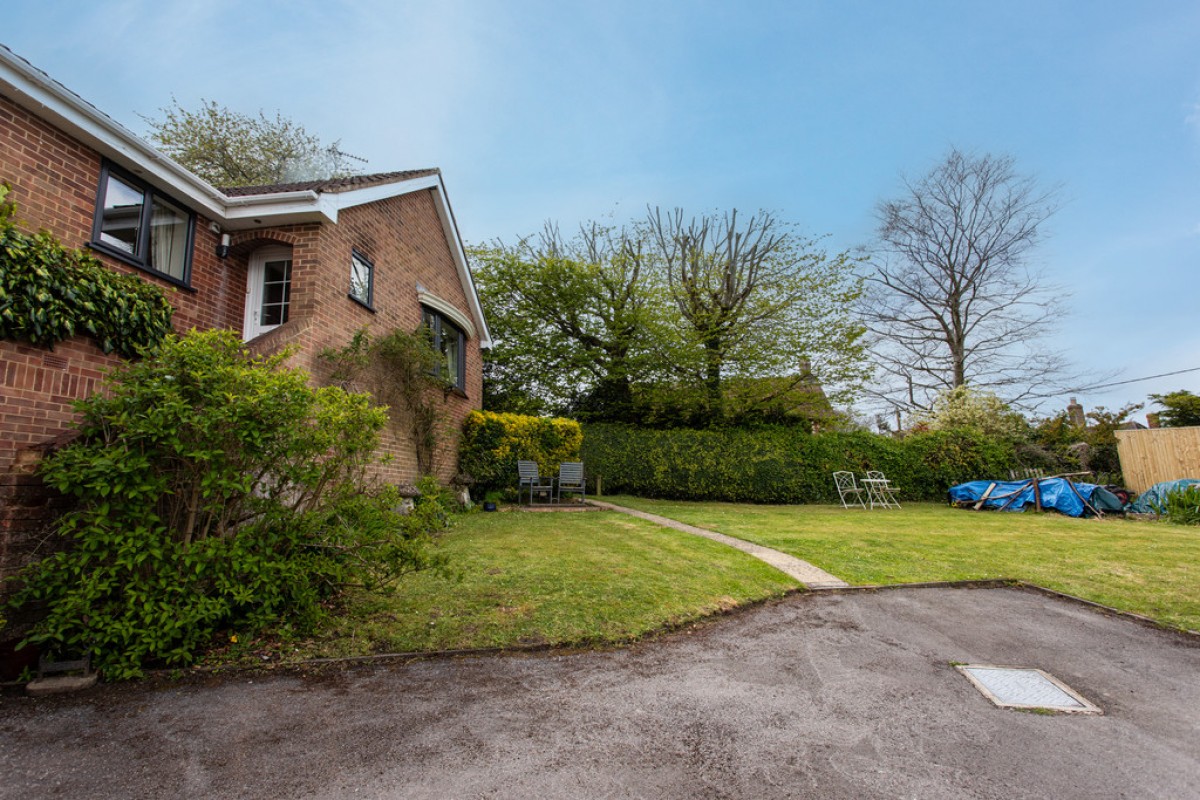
x=383, y=191
x=282, y=208
x=48, y=99
x=459, y=253
x=287, y=208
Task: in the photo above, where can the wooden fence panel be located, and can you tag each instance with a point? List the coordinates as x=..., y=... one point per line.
x=1158, y=454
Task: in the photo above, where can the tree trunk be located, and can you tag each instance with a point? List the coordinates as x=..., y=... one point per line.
x=712, y=378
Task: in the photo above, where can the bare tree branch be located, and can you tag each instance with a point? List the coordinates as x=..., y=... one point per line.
x=951, y=299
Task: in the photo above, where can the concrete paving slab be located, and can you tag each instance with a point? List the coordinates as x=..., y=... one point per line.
x=811, y=576
x=61, y=684
x=822, y=695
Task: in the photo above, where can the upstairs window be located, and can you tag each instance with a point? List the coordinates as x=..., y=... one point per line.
x=362, y=279
x=450, y=342
x=138, y=225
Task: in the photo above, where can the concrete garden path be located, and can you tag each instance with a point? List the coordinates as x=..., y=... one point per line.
x=812, y=577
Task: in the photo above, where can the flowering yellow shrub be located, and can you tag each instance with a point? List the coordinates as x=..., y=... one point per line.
x=493, y=443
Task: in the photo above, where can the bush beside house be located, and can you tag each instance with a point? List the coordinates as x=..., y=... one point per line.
x=215, y=490
x=493, y=443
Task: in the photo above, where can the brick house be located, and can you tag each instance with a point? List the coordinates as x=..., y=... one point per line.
x=304, y=264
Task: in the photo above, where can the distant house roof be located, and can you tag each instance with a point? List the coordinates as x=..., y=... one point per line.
x=346, y=184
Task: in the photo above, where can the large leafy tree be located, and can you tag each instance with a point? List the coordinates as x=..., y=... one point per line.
x=759, y=304
x=952, y=299
x=228, y=148
x=645, y=323
x=570, y=319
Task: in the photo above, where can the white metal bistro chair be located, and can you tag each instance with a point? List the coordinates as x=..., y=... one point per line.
x=880, y=490
x=848, y=490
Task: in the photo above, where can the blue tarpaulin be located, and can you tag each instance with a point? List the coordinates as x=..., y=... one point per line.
x=1056, y=494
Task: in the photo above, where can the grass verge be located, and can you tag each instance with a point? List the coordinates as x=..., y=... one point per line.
x=1148, y=568
x=557, y=579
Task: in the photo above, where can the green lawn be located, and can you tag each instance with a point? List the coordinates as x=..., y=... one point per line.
x=1150, y=568
x=557, y=578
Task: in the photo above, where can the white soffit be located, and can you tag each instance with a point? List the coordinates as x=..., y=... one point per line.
x=46, y=98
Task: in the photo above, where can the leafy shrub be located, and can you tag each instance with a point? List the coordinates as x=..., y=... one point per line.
x=964, y=408
x=493, y=443
x=1183, y=506
x=782, y=465
x=937, y=460
x=49, y=293
x=215, y=490
x=1087, y=448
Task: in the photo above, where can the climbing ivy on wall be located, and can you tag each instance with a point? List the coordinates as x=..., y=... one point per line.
x=49, y=293
x=399, y=370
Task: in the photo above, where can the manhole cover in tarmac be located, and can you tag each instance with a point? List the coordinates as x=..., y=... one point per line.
x=1020, y=687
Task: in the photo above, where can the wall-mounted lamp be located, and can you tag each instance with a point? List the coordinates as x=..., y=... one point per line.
x=223, y=247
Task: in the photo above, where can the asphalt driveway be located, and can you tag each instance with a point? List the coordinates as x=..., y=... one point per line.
x=826, y=695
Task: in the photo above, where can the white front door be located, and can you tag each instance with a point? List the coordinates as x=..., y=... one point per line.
x=268, y=290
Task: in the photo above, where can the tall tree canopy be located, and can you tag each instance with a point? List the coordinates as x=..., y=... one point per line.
x=951, y=299
x=228, y=148
x=756, y=301
x=1180, y=408
x=569, y=319
x=670, y=320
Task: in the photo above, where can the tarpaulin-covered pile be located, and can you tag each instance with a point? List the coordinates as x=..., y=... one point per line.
x=1059, y=494
x=1154, y=499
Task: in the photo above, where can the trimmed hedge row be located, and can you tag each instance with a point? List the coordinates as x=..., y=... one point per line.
x=782, y=465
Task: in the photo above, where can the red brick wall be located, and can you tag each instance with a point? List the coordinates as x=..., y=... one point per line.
x=404, y=240
x=37, y=387
x=54, y=182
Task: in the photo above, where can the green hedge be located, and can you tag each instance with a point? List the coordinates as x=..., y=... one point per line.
x=493, y=443
x=782, y=465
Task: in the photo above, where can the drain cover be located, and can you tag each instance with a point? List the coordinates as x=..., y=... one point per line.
x=1022, y=687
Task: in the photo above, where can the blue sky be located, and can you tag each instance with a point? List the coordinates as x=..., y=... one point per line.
x=813, y=110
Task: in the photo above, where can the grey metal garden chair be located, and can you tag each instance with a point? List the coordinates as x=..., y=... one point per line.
x=527, y=472
x=848, y=489
x=570, y=479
